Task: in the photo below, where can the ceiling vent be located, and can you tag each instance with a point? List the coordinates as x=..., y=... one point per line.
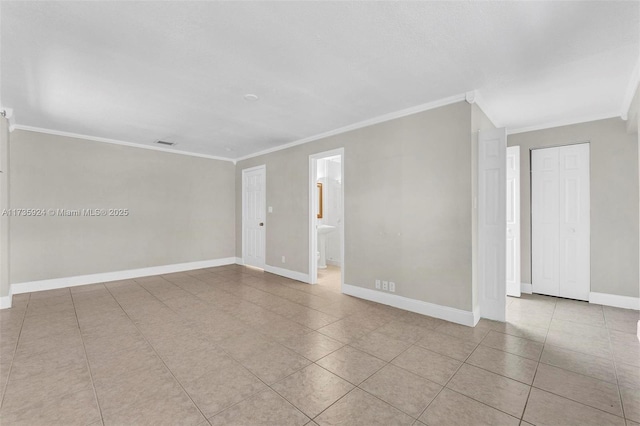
x=165, y=143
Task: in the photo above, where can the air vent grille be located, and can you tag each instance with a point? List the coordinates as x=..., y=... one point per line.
x=166, y=143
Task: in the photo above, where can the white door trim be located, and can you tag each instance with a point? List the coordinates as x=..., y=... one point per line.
x=313, y=208
x=513, y=222
x=264, y=195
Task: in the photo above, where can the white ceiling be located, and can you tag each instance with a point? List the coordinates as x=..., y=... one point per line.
x=178, y=71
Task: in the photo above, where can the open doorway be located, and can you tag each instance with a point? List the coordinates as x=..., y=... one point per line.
x=326, y=219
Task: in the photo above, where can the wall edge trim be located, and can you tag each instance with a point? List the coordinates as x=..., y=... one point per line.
x=446, y=313
x=118, y=142
x=55, y=283
x=294, y=275
x=561, y=123
x=360, y=124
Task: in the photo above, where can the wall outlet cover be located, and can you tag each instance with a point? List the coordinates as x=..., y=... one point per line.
x=392, y=286
x=378, y=284
x=385, y=285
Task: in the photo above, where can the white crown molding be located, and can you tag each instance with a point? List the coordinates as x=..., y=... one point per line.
x=55, y=283
x=446, y=313
x=561, y=123
x=632, y=86
x=117, y=142
x=380, y=119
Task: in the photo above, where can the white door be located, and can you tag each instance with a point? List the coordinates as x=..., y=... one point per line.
x=513, y=221
x=560, y=221
x=253, y=216
x=492, y=224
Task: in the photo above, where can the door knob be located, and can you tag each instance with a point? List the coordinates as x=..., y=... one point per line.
x=261, y=223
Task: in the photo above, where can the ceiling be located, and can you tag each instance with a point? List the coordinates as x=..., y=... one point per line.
x=178, y=71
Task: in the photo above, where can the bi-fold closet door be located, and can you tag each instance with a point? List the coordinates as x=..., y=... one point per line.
x=560, y=207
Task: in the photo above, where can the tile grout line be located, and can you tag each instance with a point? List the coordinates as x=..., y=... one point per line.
x=544, y=344
x=86, y=358
x=155, y=352
x=15, y=351
x=223, y=350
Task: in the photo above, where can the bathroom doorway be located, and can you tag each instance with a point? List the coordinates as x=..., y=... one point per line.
x=326, y=219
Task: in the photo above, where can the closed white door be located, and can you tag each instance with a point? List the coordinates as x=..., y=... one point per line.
x=492, y=224
x=513, y=221
x=253, y=216
x=561, y=221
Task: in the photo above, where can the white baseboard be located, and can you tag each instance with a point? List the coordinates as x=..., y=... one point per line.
x=52, y=284
x=333, y=262
x=294, y=275
x=5, y=301
x=239, y=261
x=625, y=302
x=526, y=288
x=438, y=311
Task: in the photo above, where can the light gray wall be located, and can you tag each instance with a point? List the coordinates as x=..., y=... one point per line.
x=408, y=212
x=181, y=207
x=614, y=200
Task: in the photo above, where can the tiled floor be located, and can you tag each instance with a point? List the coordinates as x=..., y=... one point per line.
x=234, y=346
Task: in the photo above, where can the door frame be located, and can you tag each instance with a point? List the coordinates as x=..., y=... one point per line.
x=313, y=208
x=516, y=292
x=262, y=167
x=531, y=231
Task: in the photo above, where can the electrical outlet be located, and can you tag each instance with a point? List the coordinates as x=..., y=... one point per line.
x=283, y=259
x=385, y=285
x=392, y=287
x=378, y=284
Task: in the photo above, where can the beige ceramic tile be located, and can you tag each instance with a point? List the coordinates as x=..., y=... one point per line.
x=589, y=365
x=584, y=389
x=595, y=347
x=228, y=385
x=628, y=375
x=473, y=334
x=445, y=344
x=454, y=409
x=345, y=330
x=503, y=363
x=359, y=408
x=351, y=364
x=406, y=391
x=77, y=408
x=631, y=403
x=312, y=346
x=428, y=364
x=274, y=363
x=514, y=345
x=312, y=389
x=266, y=408
x=45, y=387
x=492, y=389
x=381, y=345
x=547, y=409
